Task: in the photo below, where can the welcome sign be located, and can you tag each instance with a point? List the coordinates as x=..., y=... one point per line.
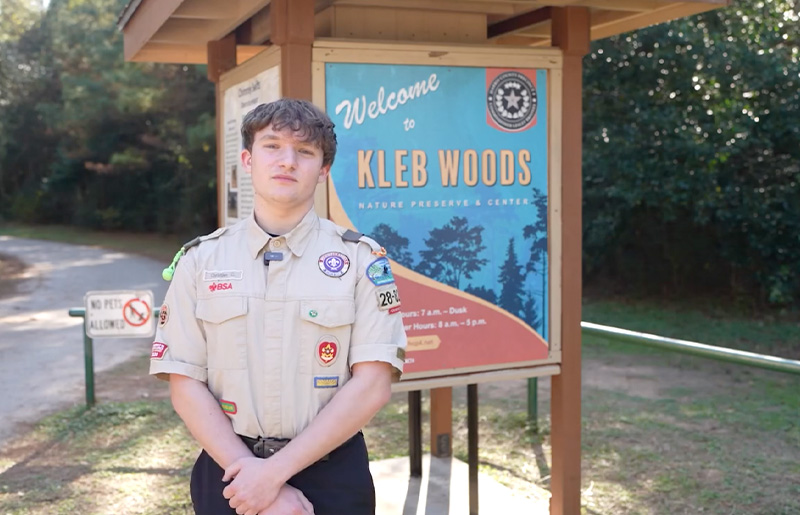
x=447, y=168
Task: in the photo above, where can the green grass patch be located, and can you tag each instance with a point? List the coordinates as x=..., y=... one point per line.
x=156, y=246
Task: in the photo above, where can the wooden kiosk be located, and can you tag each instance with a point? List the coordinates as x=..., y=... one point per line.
x=459, y=117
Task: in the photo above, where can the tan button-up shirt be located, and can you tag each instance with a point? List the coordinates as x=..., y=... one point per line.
x=275, y=342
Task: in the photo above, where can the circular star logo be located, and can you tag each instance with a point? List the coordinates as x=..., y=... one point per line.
x=512, y=100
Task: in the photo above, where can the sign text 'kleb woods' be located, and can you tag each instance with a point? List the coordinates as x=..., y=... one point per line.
x=470, y=167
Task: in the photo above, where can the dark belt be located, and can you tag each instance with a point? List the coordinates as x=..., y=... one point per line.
x=264, y=446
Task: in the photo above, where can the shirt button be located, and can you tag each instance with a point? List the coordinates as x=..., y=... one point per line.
x=276, y=243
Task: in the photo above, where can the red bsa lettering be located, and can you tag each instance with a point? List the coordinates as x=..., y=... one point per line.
x=220, y=286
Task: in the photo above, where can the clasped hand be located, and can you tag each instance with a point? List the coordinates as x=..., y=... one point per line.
x=253, y=491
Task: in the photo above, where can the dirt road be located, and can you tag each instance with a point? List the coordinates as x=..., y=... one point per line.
x=41, y=346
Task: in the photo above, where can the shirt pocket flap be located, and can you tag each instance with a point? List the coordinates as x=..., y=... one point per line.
x=328, y=313
x=220, y=309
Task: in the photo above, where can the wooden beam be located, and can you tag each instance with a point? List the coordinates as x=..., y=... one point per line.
x=519, y=22
x=571, y=35
x=166, y=53
x=221, y=57
x=292, y=29
x=204, y=9
x=147, y=19
x=185, y=31
x=606, y=24
x=454, y=6
x=441, y=422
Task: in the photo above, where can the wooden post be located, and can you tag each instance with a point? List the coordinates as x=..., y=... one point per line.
x=293, y=31
x=570, y=33
x=441, y=422
x=221, y=58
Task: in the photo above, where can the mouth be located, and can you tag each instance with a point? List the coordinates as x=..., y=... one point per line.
x=283, y=178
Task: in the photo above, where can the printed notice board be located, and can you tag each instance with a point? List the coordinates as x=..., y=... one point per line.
x=447, y=167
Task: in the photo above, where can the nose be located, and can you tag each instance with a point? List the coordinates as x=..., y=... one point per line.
x=288, y=157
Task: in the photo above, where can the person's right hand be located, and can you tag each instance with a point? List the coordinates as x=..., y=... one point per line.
x=290, y=501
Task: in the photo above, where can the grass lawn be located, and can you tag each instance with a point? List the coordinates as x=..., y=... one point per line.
x=663, y=433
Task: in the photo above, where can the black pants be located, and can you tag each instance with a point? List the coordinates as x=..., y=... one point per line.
x=341, y=485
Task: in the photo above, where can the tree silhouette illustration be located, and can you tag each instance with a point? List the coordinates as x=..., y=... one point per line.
x=396, y=246
x=452, y=252
x=512, y=281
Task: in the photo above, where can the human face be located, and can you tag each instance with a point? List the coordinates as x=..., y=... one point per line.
x=285, y=170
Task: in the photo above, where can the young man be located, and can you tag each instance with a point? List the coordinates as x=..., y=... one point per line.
x=277, y=339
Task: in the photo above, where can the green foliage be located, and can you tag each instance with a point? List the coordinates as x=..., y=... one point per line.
x=692, y=155
x=90, y=140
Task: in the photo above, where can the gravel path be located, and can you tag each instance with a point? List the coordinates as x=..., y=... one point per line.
x=41, y=346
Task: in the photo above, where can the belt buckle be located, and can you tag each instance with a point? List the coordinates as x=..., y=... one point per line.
x=266, y=447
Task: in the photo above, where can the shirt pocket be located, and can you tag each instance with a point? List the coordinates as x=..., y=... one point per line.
x=225, y=324
x=325, y=335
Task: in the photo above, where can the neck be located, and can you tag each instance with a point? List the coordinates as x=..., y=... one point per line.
x=279, y=221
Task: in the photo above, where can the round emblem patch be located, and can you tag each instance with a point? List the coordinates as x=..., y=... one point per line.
x=163, y=315
x=512, y=100
x=327, y=350
x=334, y=264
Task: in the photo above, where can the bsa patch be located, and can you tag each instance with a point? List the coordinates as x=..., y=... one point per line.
x=388, y=298
x=220, y=286
x=334, y=264
x=163, y=315
x=379, y=272
x=327, y=350
x=326, y=382
x=228, y=407
x=158, y=350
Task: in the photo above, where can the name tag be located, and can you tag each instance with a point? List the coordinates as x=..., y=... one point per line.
x=222, y=275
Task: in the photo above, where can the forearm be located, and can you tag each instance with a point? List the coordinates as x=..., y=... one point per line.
x=202, y=415
x=350, y=409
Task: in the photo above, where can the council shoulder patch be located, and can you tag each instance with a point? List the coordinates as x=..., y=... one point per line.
x=158, y=350
x=380, y=272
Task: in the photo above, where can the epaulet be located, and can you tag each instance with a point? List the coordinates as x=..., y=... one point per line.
x=357, y=237
x=168, y=272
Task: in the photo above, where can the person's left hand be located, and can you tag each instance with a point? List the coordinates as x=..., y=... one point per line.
x=253, y=487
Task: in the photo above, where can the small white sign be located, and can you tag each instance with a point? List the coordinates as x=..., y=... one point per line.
x=119, y=314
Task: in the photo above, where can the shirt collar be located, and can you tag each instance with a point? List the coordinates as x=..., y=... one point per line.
x=297, y=239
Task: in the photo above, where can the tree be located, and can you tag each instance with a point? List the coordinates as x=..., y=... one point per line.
x=512, y=280
x=486, y=294
x=453, y=252
x=396, y=246
x=538, y=264
x=691, y=152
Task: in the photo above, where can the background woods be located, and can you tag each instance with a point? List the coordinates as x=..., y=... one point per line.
x=691, y=151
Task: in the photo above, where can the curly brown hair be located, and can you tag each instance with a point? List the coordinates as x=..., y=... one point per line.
x=300, y=116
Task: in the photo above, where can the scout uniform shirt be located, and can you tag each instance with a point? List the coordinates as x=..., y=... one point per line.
x=275, y=340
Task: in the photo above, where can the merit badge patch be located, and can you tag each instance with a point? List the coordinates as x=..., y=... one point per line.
x=228, y=407
x=222, y=275
x=326, y=382
x=327, y=350
x=158, y=350
x=511, y=100
x=379, y=272
x=334, y=264
x=163, y=315
x=388, y=298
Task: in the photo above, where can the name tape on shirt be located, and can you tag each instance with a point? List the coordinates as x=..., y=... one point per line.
x=222, y=275
x=388, y=299
x=379, y=272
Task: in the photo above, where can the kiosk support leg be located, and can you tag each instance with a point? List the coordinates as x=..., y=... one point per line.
x=88, y=364
x=472, y=446
x=415, y=432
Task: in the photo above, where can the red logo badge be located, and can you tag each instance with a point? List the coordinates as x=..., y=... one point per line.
x=158, y=351
x=327, y=351
x=220, y=286
x=163, y=315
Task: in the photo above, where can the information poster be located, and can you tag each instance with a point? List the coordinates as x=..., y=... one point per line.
x=238, y=101
x=446, y=167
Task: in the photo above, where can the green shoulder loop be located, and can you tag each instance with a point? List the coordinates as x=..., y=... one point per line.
x=169, y=272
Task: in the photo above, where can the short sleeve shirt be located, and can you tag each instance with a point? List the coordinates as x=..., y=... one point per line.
x=275, y=339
